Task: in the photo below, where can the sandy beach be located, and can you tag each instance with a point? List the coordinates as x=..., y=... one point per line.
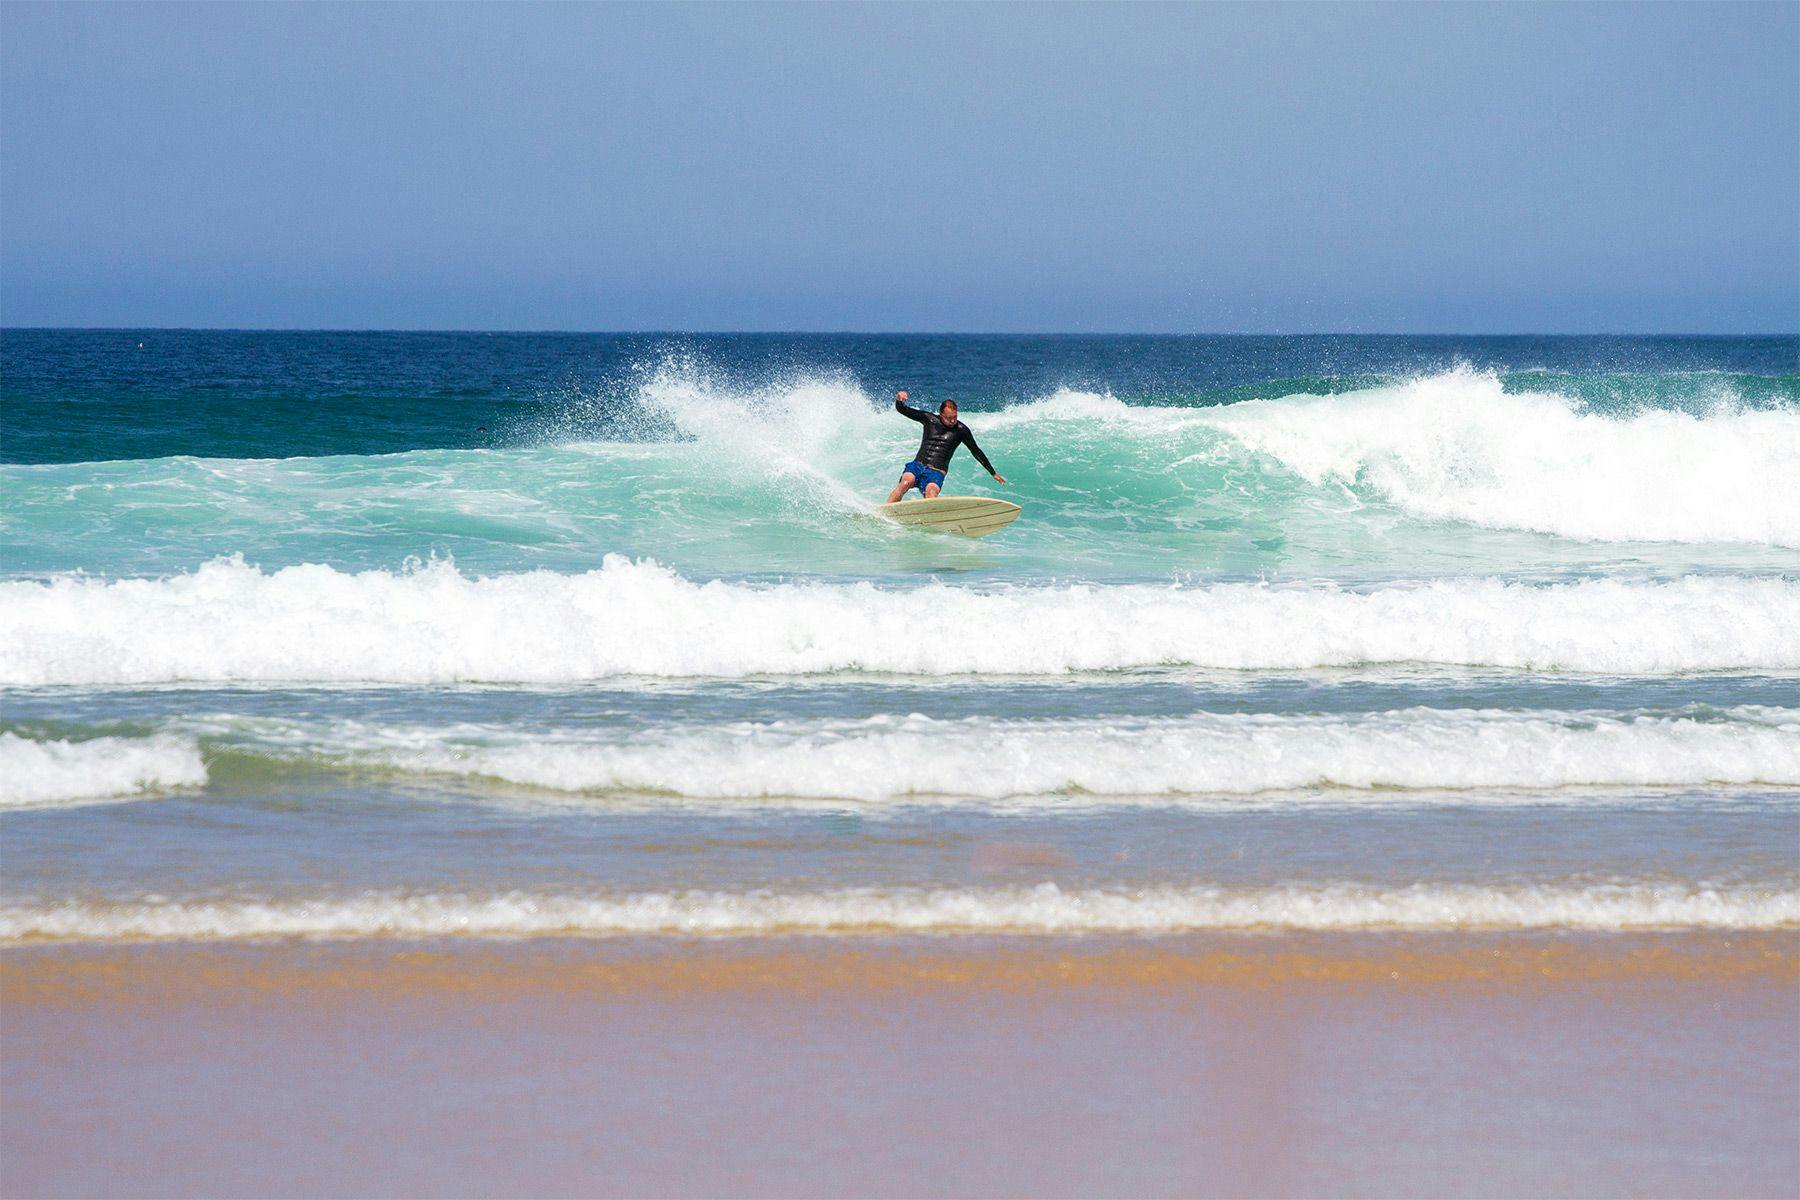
x=1648, y=1066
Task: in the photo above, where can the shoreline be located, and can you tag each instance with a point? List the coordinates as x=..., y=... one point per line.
x=803, y=964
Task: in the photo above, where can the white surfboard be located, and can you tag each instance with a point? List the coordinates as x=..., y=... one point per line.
x=972, y=516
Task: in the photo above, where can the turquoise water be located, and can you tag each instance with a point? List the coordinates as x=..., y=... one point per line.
x=362, y=634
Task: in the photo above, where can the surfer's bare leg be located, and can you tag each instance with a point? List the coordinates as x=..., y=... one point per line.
x=906, y=481
x=931, y=491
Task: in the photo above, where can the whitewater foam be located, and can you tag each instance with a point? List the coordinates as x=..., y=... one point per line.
x=229, y=622
x=1045, y=909
x=45, y=772
x=889, y=759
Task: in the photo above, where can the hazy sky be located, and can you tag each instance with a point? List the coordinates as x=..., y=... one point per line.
x=1213, y=168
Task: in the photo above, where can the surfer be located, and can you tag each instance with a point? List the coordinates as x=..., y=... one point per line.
x=943, y=434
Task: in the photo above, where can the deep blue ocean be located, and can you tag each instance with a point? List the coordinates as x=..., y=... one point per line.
x=372, y=634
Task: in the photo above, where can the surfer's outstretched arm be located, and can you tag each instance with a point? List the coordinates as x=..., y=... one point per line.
x=968, y=440
x=911, y=414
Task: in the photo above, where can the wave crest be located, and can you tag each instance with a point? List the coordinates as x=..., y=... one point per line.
x=1460, y=447
x=52, y=772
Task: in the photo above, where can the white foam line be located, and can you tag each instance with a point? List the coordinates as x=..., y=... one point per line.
x=891, y=759
x=1045, y=909
x=231, y=623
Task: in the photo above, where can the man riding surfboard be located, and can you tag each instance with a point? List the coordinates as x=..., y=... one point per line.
x=943, y=434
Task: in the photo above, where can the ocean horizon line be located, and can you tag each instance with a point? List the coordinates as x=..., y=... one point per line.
x=935, y=333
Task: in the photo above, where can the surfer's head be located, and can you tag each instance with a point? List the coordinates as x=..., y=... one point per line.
x=947, y=410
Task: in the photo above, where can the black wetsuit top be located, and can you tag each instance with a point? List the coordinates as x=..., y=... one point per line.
x=941, y=440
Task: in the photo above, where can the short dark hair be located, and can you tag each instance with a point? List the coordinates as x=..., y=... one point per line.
x=947, y=404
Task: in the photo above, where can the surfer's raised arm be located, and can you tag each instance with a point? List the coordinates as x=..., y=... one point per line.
x=911, y=414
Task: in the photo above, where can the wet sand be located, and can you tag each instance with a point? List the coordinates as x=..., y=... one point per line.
x=1344, y=1065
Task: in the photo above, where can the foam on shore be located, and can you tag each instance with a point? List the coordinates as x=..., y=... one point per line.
x=1044, y=909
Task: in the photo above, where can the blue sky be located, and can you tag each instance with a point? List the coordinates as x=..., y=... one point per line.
x=1503, y=168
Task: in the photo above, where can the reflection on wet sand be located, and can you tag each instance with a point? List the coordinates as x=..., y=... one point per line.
x=1345, y=1065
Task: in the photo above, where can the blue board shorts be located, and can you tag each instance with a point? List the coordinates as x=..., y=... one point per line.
x=923, y=475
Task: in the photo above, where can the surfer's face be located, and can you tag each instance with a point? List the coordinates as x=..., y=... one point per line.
x=948, y=413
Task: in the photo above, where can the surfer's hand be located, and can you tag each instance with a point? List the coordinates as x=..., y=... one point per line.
x=999, y=477
x=900, y=396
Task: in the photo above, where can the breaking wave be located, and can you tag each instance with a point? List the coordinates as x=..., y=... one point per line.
x=1396, y=480
x=1461, y=447
x=890, y=759
x=229, y=622
x=51, y=772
